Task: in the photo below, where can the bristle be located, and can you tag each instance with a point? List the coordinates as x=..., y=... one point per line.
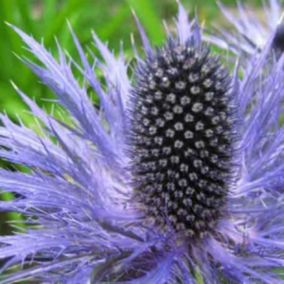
x=181, y=137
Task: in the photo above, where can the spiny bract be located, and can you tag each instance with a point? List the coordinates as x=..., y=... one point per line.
x=175, y=174
x=252, y=32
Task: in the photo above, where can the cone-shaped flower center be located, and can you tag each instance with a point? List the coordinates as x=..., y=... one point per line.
x=278, y=41
x=182, y=138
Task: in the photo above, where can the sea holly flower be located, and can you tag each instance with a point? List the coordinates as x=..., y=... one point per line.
x=178, y=172
x=250, y=33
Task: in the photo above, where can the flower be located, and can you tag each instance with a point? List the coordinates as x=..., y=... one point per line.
x=178, y=173
x=252, y=33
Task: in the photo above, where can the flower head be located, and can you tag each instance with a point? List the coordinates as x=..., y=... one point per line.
x=252, y=32
x=181, y=137
x=179, y=171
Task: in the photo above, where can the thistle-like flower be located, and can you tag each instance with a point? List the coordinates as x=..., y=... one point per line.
x=178, y=173
x=252, y=32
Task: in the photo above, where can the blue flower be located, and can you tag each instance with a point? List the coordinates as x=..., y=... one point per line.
x=178, y=173
x=251, y=33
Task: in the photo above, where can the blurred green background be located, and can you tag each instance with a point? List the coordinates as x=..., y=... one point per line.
x=46, y=19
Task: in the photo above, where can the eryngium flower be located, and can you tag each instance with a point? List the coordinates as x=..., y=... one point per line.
x=252, y=32
x=177, y=173
x=181, y=139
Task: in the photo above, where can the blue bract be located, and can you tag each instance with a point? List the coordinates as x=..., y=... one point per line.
x=179, y=171
x=250, y=33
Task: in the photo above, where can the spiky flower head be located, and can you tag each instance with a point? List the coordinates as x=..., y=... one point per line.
x=178, y=173
x=181, y=117
x=251, y=30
